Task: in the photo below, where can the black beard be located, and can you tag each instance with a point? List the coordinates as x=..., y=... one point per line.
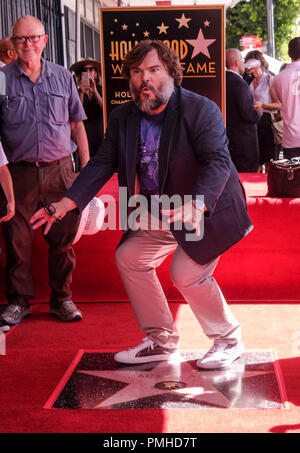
x=162, y=96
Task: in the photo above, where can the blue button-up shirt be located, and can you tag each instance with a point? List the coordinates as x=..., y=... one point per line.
x=35, y=117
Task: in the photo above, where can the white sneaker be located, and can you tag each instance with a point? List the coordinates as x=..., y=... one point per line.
x=4, y=327
x=147, y=351
x=221, y=355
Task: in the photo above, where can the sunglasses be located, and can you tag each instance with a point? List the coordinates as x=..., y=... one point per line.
x=90, y=68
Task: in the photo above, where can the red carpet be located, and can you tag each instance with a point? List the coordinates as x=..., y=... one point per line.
x=40, y=350
x=263, y=267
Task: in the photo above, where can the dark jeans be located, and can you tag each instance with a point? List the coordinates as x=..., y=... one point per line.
x=267, y=149
x=33, y=186
x=288, y=153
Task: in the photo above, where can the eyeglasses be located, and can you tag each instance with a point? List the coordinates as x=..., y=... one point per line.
x=90, y=69
x=22, y=39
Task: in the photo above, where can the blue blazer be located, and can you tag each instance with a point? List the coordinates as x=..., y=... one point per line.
x=193, y=160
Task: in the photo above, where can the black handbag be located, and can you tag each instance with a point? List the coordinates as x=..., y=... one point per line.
x=284, y=178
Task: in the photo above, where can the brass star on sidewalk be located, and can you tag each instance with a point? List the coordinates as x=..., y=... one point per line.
x=183, y=21
x=200, y=44
x=162, y=28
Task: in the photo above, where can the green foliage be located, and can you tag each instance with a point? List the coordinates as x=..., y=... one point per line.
x=250, y=18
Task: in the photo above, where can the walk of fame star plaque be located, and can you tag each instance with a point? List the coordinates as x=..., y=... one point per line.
x=95, y=381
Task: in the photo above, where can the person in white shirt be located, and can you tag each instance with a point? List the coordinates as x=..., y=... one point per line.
x=256, y=65
x=286, y=86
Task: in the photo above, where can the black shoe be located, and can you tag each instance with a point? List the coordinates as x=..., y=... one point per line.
x=67, y=312
x=14, y=314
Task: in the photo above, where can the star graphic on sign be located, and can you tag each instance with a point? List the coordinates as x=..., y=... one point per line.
x=200, y=44
x=171, y=378
x=183, y=21
x=124, y=27
x=162, y=28
x=146, y=34
x=206, y=23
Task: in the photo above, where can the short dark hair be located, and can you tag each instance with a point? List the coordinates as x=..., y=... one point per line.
x=168, y=57
x=294, y=48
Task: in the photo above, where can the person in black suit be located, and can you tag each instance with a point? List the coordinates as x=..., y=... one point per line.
x=168, y=142
x=241, y=116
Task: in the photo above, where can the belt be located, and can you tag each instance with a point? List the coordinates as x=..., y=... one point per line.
x=36, y=164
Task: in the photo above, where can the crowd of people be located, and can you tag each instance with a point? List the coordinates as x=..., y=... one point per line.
x=255, y=99
x=170, y=140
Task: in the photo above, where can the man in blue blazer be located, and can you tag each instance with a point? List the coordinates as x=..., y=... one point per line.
x=168, y=142
x=241, y=116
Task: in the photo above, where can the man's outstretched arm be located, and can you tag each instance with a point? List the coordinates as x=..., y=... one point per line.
x=52, y=213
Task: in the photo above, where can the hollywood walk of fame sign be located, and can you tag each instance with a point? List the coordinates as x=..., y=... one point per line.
x=196, y=34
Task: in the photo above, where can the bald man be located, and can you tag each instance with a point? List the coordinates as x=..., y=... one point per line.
x=43, y=111
x=7, y=52
x=241, y=116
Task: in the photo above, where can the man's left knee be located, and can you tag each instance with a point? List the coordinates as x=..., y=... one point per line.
x=183, y=278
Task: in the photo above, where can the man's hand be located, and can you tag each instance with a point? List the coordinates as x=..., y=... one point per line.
x=10, y=212
x=187, y=214
x=52, y=213
x=258, y=107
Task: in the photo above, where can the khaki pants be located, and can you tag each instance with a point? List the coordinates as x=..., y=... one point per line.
x=33, y=186
x=137, y=259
